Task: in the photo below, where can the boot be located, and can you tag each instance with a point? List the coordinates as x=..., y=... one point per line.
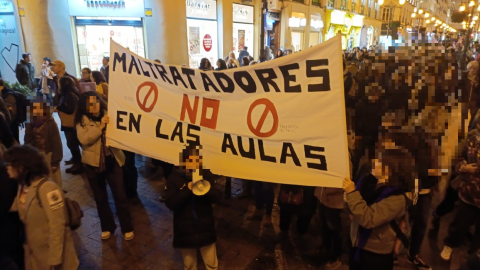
x=75, y=169
x=255, y=215
x=69, y=162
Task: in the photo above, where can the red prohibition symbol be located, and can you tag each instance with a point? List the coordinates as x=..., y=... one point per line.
x=152, y=88
x=269, y=108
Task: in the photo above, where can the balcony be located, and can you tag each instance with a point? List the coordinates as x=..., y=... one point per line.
x=331, y=3
x=316, y=3
x=354, y=7
x=299, y=1
x=362, y=10
x=343, y=5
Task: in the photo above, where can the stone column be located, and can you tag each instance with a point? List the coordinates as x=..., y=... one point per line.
x=166, y=31
x=48, y=33
x=225, y=27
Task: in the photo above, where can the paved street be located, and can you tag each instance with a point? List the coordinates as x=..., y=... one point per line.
x=241, y=244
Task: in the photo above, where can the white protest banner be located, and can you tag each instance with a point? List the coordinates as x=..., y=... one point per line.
x=280, y=121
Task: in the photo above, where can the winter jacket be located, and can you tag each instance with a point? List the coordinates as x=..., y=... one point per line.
x=193, y=220
x=11, y=242
x=53, y=142
x=241, y=55
x=376, y=217
x=48, y=239
x=89, y=134
x=25, y=73
x=56, y=81
x=470, y=185
x=106, y=72
x=66, y=109
x=10, y=101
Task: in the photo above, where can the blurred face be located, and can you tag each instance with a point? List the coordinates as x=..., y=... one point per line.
x=37, y=110
x=93, y=106
x=105, y=61
x=28, y=58
x=232, y=56
x=85, y=74
x=218, y=64
x=91, y=77
x=56, y=68
x=192, y=162
x=46, y=62
x=207, y=64
x=379, y=171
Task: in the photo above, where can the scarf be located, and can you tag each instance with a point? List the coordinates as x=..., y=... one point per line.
x=383, y=192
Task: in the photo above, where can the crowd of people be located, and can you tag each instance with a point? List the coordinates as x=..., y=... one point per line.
x=400, y=121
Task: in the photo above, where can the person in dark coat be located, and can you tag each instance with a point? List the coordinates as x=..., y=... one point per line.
x=105, y=69
x=25, y=72
x=11, y=242
x=299, y=200
x=193, y=220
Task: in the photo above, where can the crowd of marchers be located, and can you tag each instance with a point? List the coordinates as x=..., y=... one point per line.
x=401, y=118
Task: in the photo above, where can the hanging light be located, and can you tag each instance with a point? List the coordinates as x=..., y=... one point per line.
x=475, y=18
x=380, y=2
x=420, y=11
x=428, y=21
x=471, y=4
x=427, y=15
x=414, y=14
x=402, y=2
x=462, y=7
x=478, y=8
x=433, y=18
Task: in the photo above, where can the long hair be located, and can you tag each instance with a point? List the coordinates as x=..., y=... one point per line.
x=245, y=61
x=28, y=162
x=98, y=77
x=203, y=64
x=83, y=104
x=67, y=85
x=223, y=65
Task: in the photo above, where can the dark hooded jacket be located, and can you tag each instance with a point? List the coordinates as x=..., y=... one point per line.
x=193, y=220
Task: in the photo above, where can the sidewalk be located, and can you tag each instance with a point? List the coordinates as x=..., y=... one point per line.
x=241, y=244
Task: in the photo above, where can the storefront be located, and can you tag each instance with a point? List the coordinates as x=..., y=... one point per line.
x=95, y=23
x=202, y=31
x=242, y=27
x=354, y=34
x=336, y=24
x=272, y=26
x=373, y=31
x=10, y=48
x=316, y=28
x=297, y=23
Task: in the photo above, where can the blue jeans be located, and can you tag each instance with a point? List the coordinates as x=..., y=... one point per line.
x=264, y=196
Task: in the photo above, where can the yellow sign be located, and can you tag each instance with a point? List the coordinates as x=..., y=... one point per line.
x=21, y=12
x=148, y=12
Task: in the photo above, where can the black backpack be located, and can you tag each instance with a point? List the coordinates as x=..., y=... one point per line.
x=21, y=102
x=73, y=212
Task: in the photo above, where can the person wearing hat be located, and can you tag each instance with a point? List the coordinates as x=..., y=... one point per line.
x=46, y=85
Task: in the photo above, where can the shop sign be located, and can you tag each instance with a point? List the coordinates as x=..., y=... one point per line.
x=6, y=6
x=297, y=22
x=9, y=42
x=207, y=42
x=357, y=21
x=202, y=9
x=338, y=17
x=242, y=13
x=106, y=8
x=273, y=16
